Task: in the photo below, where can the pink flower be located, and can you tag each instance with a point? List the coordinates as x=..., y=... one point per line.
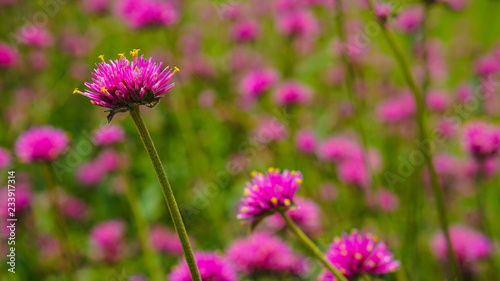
x=95, y=6
x=41, y=144
x=356, y=254
x=256, y=82
x=207, y=98
x=300, y=23
x=5, y=158
x=353, y=172
x=397, y=109
x=386, y=200
x=212, y=266
x=38, y=60
x=482, y=140
x=383, y=11
x=487, y=66
x=245, y=31
x=108, y=238
x=306, y=214
x=262, y=252
x=165, y=240
x=91, y=173
x=23, y=198
x=76, y=45
x=465, y=93
x=267, y=193
x=468, y=245
x=291, y=92
x=108, y=135
x=305, y=140
x=146, y=13
x=8, y=56
x=34, y=35
x=339, y=149
x=437, y=100
x=73, y=207
x=410, y=19
x=109, y=159
x=122, y=84
x=270, y=129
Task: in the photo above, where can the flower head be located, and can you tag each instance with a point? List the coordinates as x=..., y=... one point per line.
x=267, y=193
x=108, y=135
x=212, y=266
x=482, y=140
x=35, y=35
x=410, y=19
x=91, y=173
x=5, y=159
x=292, y=92
x=262, y=252
x=358, y=254
x=245, y=31
x=397, y=109
x=306, y=214
x=256, y=82
x=108, y=237
x=305, y=141
x=41, y=144
x=147, y=13
x=165, y=240
x=122, y=84
x=8, y=56
x=468, y=244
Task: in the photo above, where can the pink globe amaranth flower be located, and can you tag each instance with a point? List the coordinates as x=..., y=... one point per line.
x=76, y=45
x=446, y=127
x=109, y=159
x=386, y=200
x=410, y=19
x=292, y=92
x=469, y=246
x=353, y=172
x=245, y=31
x=339, y=149
x=456, y=5
x=37, y=60
x=305, y=140
x=359, y=254
x=95, y=6
x=256, y=82
x=34, y=35
x=306, y=214
x=41, y=144
x=5, y=158
x=207, y=98
x=212, y=267
x=263, y=253
x=267, y=193
x=488, y=167
x=108, y=239
x=108, y=135
x=146, y=13
x=270, y=129
x=230, y=10
x=73, y=207
x=165, y=240
x=397, y=109
x=327, y=192
x=465, y=92
x=487, y=66
x=482, y=140
x=23, y=198
x=122, y=84
x=297, y=23
x=91, y=173
x=437, y=100
x=383, y=11
x=8, y=56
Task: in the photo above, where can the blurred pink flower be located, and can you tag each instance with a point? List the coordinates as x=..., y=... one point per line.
x=468, y=245
x=38, y=60
x=35, y=36
x=353, y=172
x=339, y=149
x=91, y=173
x=146, y=13
x=8, y=56
x=465, y=93
x=245, y=31
x=437, y=100
x=72, y=207
x=410, y=19
x=165, y=240
x=41, y=144
x=108, y=135
x=386, y=200
x=305, y=141
x=95, y=6
x=356, y=254
x=207, y=98
x=487, y=66
x=109, y=159
x=108, y=239
x=263, y=252
x=267, y=192
x=482, y=140
x=297, y=23
x=23, y=196
x=383, y=11
x=397, y=109
x=5, y=158
x=306, y=214
x=292, y=92
x=256, y=82
x=270, y=129
x=212, y=267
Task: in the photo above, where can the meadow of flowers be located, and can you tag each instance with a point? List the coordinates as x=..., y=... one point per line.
x=249, y=140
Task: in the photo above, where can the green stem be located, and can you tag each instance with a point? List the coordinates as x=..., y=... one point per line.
x=311, y=246
x=60, y=224
x=421, y=120
x=349, y=80
x=167, y=192
x=150, y=255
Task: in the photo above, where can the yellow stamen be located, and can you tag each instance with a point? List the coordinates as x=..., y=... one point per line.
x=135, y=53
x=176, y=70
x=271, y=170
x=287, y=202
x=336, y=240
x=246, y=192
x=244, y=209
x=121, y=55
x=103, y=89
x=293, y=173
x=76, y=91
x=375, y=237
x=278, y=170
x=342, y=271
x=358, y=256
x=255, y=187
x=274, y=200
x=253, y=174
x=101, y=57
x=299, y=181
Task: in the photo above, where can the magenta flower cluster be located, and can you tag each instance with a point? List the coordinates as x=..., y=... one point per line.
x=41, y=144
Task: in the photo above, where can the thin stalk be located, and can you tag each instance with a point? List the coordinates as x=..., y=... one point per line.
x=167, y=192
x=417, y=94
x=150, y=256
x=311, y=246
x=60, y=224
x=349, y=83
